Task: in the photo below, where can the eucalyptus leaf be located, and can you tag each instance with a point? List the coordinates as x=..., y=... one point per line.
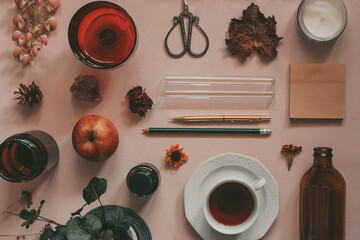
x=83, y=228
x=95, y=188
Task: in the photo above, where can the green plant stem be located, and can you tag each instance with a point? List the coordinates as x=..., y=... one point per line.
x=40, y=218
x=100, y=202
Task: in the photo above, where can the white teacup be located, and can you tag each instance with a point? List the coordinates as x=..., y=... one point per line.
x=232, y=205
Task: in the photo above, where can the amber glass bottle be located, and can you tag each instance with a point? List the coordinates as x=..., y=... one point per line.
x=322, y=199
x=27, y=155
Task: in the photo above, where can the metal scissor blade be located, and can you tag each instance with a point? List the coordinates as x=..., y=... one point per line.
x=186, y=5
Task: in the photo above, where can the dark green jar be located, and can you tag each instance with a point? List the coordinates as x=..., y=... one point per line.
x=27, y=155
x=143, y=179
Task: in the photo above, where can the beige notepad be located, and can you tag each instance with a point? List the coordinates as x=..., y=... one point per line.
x=317, y=90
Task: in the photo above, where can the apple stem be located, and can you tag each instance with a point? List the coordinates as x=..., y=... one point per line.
x=91, y=136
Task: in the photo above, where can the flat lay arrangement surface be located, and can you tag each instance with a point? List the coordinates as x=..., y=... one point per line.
x=255, y=106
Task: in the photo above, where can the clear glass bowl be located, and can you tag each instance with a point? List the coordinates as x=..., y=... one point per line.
x=314, y=10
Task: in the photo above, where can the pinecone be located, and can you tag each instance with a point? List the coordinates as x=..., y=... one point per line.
x=28, y=95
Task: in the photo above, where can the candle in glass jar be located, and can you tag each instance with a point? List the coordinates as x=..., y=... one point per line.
x=322, y=20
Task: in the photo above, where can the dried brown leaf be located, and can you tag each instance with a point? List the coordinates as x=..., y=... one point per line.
x=253, y=32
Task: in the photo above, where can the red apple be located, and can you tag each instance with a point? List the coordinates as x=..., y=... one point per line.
x=95, y=138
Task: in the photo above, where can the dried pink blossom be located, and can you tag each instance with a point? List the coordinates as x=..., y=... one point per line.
x=29, y=38
x=16, y=34
x=19, y=21
x=35, y=51
x=17, y=51
x=26, y=59
x=50, y=24
x=21, y=40
x=52, y=5
x=44, y=39
x=40, y=29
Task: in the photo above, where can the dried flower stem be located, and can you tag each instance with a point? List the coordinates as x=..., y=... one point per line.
x=19, y=236
x=40, y=218
x=34, y=22
x=290, y=159
x=8, y=208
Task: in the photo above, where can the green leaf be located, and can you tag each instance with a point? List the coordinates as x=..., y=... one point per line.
x=59, y=234
x=47, y=234
x=95, y=188
x=117, y=219
x=106, y=235
x=39, y=209
x=83, y=228
x=24, y=214
x=30, y=217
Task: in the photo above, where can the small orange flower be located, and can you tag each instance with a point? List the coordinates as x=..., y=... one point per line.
x=176, y=156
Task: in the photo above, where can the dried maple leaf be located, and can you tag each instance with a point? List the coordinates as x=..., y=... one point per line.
x=253, y=32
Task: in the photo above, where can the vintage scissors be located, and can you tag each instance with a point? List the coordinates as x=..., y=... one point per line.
x=193, y=20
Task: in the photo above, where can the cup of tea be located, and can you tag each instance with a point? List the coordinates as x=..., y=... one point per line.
x=232, y=206
x=102, y=35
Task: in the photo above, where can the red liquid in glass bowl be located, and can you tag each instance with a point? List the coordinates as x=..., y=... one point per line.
x=102, y=35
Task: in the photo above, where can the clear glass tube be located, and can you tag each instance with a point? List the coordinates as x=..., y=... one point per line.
x=225, y=89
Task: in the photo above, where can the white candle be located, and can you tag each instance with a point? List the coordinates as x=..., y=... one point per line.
x=322, y=19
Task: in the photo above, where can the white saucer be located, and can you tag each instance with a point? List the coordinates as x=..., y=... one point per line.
x=214, y=170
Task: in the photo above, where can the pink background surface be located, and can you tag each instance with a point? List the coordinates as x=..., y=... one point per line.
x=56, y=68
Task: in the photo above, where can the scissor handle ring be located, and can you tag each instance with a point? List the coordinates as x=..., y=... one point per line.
x=195, y=20
x=175, y=55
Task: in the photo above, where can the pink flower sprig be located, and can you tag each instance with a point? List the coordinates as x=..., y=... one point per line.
x=33, y=23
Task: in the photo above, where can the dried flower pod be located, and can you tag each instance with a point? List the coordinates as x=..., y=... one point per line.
x=139, y=101
x=86, y=87
x=28, y=95
x=26, y=198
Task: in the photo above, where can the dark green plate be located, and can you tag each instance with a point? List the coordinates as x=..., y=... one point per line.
x=140, y=227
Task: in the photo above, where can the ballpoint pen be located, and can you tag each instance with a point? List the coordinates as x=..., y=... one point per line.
x=223, y=118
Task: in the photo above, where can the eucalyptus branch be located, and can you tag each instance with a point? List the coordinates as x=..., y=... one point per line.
x=100, y=202
x=43, y=219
